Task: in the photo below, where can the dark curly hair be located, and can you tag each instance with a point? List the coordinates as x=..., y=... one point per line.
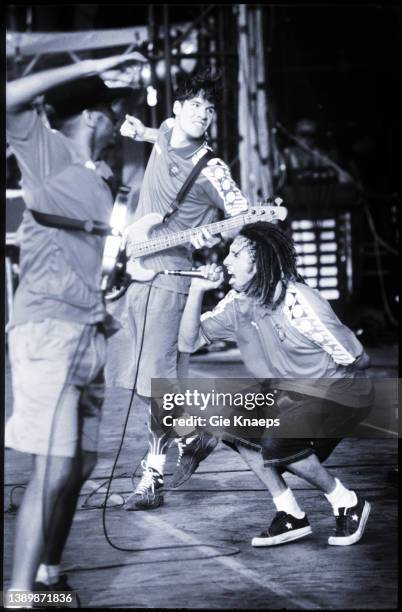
x=205, y=82
x=275, y=259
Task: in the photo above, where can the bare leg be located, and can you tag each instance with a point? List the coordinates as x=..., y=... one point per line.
x=269, y=476
x=40, y=500
x=311, y=470
x=59, y=528
x=282, y=497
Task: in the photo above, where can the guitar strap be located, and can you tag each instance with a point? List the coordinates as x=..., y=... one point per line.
x=188, y=183
x=102, y=229
x=67, y=223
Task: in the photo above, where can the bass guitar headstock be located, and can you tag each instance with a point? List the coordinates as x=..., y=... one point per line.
x=268, y=210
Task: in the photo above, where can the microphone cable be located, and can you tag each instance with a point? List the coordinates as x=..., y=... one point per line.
x=227, y=550
x=47, y=520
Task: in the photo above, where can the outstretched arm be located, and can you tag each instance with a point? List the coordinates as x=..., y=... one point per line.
x=135, y=129
x=21, y=92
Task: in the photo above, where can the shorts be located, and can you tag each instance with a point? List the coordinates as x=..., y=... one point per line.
x=158, y=351
x=322, y=423
x=58, y=387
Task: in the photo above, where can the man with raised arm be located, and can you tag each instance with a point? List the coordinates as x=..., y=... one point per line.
x=178, y=145
x=56, y=337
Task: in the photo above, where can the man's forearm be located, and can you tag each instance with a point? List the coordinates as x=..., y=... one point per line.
x=21, y=92
x=150, y=135
x=190, y=322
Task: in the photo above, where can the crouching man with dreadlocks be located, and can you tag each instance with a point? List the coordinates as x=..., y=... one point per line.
x=285, y=330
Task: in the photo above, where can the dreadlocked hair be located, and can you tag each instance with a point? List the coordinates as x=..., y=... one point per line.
x=275, y=259
x=205, y=82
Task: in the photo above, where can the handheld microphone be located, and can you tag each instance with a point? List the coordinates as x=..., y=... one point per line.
x=193, y=274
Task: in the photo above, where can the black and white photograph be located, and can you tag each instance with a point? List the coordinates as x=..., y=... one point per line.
x=201, y=306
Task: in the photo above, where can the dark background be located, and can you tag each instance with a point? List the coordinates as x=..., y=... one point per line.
x=336, y=63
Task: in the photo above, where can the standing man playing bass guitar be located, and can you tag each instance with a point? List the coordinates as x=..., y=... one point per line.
x=179, y=143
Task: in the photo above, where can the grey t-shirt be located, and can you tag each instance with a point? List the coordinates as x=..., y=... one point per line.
x=301, y=346
x=214, y=189
x=60, y=270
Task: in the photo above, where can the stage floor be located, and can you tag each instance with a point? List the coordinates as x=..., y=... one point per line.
x=195, y=551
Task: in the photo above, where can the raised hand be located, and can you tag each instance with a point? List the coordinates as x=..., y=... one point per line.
x=25, y=89
x=133, y=128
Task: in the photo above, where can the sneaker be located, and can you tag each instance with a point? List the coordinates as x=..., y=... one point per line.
x=148, y=494
x=350, y=524
x=191, y=453
x=284, y=528
x=60, y=586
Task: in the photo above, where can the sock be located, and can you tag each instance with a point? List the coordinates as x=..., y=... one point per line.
x=156, y=461
x=341, y=497
x=286, y=502
x=48, y=574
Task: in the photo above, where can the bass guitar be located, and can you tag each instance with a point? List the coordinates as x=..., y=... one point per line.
x=139, y=242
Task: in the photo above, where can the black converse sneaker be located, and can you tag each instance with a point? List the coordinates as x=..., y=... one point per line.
x=284, y=528
x=350, y=524
x=191, y=453
x=148, y=494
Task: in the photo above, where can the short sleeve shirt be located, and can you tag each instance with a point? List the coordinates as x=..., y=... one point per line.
x=302, y=344
x=60, y=271
x=214, y=189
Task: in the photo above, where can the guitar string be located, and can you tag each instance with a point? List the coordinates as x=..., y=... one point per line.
x=147, y=247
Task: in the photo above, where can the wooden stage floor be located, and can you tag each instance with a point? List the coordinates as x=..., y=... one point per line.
x=195, y=551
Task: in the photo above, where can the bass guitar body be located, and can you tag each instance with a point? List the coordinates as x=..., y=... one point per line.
x=139, y=233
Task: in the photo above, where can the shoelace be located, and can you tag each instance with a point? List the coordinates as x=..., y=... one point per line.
x=147, y=479
x=181, y=446
x=182, y=443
